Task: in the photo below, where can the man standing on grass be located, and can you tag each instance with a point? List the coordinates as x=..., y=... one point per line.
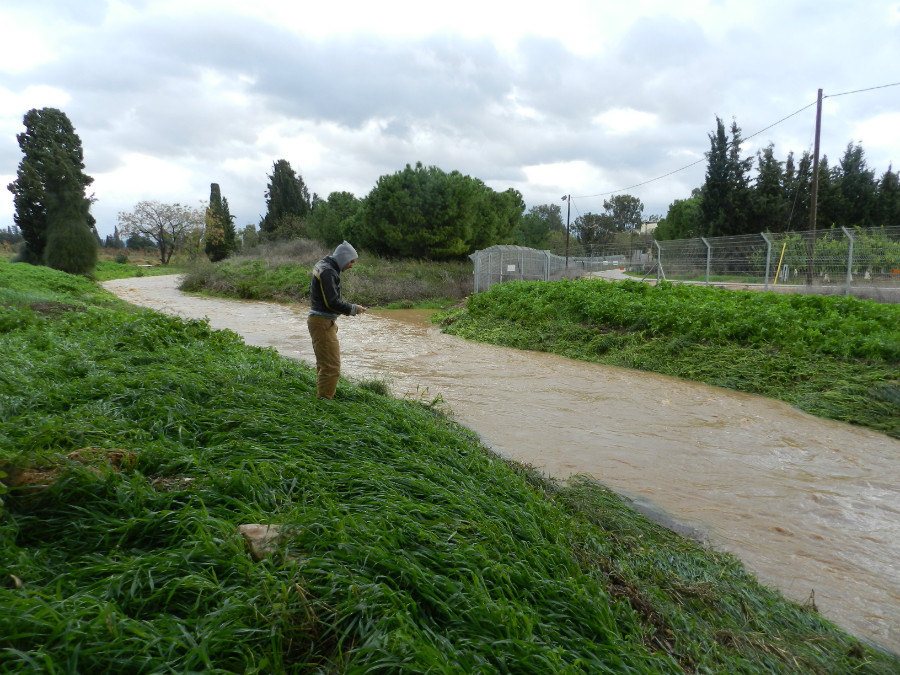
x=326, y=305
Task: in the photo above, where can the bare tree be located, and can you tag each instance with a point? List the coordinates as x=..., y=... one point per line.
x=167, y=225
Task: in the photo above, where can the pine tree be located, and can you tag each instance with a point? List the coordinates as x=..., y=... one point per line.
x=51, y=184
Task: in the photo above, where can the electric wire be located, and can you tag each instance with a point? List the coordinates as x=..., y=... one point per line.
x=859, y=91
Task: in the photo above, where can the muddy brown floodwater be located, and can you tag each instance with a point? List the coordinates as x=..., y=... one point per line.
x=809, y=505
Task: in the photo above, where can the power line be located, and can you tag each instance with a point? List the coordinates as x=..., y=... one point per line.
x=612, y=192
x=781, y=120
x=774, y=124
x=858, y=91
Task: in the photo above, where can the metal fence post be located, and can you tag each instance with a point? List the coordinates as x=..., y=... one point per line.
x=708, y=257
x=491, y=281
x=659, y=267
x=849, y=260
x=768, y=257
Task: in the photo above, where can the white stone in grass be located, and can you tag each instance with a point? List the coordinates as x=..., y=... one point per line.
x=262, y=539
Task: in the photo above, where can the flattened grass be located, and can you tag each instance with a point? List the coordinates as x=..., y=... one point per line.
x=411, y=548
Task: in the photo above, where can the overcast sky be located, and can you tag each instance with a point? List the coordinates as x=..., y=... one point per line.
x=550, y=98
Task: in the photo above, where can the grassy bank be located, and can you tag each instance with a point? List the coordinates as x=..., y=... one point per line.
x=836, y=357
x=280, y=272
x=134, y=444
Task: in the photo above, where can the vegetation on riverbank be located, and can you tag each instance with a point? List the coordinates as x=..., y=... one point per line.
x=836, y=357
x=280, y=272
x=134, y=444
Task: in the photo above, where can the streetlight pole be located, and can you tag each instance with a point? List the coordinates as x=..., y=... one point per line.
x=568, y=200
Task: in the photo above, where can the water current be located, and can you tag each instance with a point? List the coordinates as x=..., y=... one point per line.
x=812, y=507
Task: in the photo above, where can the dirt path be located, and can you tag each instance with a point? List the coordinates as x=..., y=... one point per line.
x=808, y=504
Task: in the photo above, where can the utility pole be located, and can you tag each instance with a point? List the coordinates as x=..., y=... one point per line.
x=814, y=194
x=568, y=200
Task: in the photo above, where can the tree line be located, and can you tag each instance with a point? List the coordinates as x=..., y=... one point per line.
x=426, y=213
x=777, y=198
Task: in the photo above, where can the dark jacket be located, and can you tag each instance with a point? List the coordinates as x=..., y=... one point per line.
x=325, y=291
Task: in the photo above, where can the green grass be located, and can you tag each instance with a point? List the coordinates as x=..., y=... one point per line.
x=412, y=549
x=21, y=284
x=834, y=356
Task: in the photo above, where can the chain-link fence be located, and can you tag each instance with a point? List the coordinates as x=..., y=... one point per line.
x=501, y=263
x=497, y=264
x=861, y=262
x=857, y=261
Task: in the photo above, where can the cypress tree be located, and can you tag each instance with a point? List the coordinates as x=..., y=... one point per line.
x=71, y=245
x=231, y=244
x=857, y=188
x=216, y=246
x=287, y=202
x=770, y=205
x=726, y=192
x=888, y=199
x=51, y=184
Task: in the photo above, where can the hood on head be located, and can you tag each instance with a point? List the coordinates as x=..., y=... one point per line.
x=344, y=254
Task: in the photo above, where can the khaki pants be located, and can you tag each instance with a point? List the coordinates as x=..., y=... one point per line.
x=328, y=354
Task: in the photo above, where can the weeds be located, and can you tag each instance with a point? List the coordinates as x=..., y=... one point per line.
x=380, y=386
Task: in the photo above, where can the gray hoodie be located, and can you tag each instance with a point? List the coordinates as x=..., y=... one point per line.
x=344, y=254
x=325, y=284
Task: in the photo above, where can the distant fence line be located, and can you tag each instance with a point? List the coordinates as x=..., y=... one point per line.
x=864, y=262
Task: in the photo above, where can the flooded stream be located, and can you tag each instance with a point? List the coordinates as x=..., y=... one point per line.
x=809, y=505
